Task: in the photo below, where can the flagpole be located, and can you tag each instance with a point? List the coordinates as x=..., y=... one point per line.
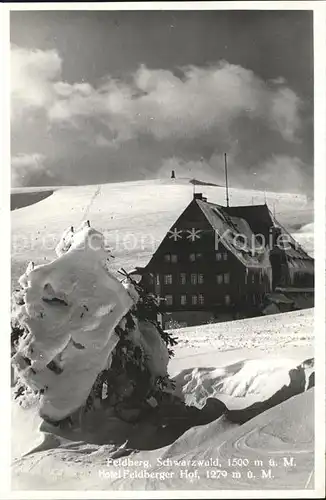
x=226, y=181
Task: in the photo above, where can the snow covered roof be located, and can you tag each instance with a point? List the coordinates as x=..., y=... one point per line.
x=294, y=252
x=257, y=216
x=279, y=298
x=236, y=234
x=251, y=222
x=247, y=232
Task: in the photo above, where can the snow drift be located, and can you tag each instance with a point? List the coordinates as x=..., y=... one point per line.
x=77, y=458
x=282, y=432
x=69, y=311
x=245, y=382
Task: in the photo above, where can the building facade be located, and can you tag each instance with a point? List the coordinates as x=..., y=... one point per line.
x=218, y=263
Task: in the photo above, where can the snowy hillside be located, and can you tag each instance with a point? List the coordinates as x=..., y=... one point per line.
x=219, y=366
x=134, y=217
x=243, y=389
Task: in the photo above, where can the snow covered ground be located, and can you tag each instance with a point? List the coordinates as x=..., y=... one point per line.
x=134, y=217
x=217, y=364
x=241, y=363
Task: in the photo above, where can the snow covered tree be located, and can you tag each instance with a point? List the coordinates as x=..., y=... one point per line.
x=80, y=335
x=128, y=384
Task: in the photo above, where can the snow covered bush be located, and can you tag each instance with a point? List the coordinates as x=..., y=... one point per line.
x=78, y=332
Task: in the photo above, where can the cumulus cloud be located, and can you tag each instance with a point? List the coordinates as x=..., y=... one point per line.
x=161, y=104
x=33, y=75
x=165, y=118
x=26, y=168
x=156, y=102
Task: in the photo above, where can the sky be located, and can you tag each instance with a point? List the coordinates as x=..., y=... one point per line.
x=116, y=96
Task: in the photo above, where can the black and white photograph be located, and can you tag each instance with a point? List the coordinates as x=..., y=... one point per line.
x=163, y=251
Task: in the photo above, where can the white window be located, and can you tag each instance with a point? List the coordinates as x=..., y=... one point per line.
x=169, y=300
x=219, y=279
x=253, y=278
x=246, y=276
x=194, y=300
x=200, y=279
x=167, y=279
x=183, y=278
x=218, y=256
x=157, y=279
x=174, y=258
x=201, y=299
x=193, y=279
x=225, y=256
x=183, y=300
x=227, y=300
x=227, y=278
x=167, y=257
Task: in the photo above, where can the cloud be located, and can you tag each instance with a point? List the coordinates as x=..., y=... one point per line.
x=29, y=169
x=290, y=170
x=155, y=102
x=148, y=121
x=163, y=105
x=33, y=73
